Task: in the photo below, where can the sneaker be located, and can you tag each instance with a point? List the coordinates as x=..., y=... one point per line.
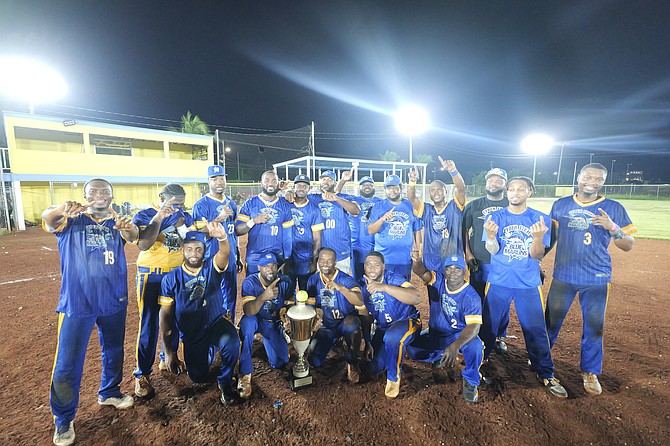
x=392, y=388
x=353, y=373
x=227, y=395
x=162, y=366
x=64, y=435
x=500, y=347
x=244, y=386
x=555, y=388
x=143, y=387
x=591, y=383
x=470, y=392
x=122, y=402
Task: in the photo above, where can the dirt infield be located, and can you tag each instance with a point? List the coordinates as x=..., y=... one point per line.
x=634, y=408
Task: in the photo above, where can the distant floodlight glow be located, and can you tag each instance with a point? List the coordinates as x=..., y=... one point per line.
x=537, y=144
x=412, y=120
x=31, y=81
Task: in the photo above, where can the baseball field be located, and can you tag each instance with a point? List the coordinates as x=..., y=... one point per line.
x=514, y=409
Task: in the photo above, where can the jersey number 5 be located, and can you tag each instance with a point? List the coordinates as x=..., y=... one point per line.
x=109, y=257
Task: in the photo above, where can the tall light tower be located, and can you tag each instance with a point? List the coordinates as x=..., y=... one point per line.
x=537, y=144
x=30, y=81
x=412, y=120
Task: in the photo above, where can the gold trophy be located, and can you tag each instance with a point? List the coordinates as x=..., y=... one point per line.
x=302, y=319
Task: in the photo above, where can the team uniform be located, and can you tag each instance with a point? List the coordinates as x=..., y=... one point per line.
x=336, y=233
x=94, y=291
x=200, y=318
x=516, y=276
x=397, y=324
x=395, y=238
x=361, y=240
x=272, y=236
x=442, y=233
x=266, y=322
x=340, y=317
x=583, y=265
x=450, y=312
x=210, y=207
x=152, y=265
x=306, y=221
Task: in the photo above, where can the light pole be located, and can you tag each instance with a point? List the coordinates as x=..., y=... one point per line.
x=412, y=120
x=591, y=157
x=238, y=165
x=536, y=144
x=560, y=163
x=30, y=81
x=612, y=170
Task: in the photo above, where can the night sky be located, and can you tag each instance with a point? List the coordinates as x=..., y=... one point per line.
x=594, y=75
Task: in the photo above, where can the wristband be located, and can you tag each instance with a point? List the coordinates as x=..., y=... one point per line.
x=251, y=223
x=490, y=242
x=614, y=228
x=222, y=239
x=453, y=173
x=412, y=183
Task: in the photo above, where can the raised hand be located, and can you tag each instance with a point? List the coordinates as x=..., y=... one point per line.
x=372, y=286
x=413, y=175
x=329, y=196
x=122, y=223
x=448, y=165
x=74, y=208
x=166, y=209
x=537, y=230
x=214, y=228
x=271, y=291
x=603, y=220
x=491, y=228
x=224, y=214
x=283, y=184
x=347, y=175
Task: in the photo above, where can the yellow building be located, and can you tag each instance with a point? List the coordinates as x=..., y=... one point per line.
x=51, y=158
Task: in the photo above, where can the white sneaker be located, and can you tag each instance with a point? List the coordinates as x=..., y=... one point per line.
x=392, y=388
x=64, y=435
x=123, y=402
x=244, y=386
x=591, y=383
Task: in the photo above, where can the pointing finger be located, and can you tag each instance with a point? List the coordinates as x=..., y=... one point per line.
x=603, y=213
x=541, y=220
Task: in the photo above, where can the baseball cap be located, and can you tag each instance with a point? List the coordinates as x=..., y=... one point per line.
x=215, y=171
x=266, y=259
x=195, y=236
x=366, y=180
x=497, y=171
x=455, y=260
x=330, y=174
x=392, y=180
x=301, y=179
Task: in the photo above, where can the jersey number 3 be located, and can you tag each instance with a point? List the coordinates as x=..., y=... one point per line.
x=587, y=238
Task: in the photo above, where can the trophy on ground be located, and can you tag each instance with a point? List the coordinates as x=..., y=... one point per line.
x=302, y=318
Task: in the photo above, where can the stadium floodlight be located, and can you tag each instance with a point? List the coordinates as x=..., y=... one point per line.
x=537, y=144
x=412, y=120
x=31, y=81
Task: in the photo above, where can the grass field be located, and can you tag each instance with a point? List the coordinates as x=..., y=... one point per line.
x=652, y=218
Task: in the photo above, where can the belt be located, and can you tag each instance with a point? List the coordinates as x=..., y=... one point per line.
x=144, y=269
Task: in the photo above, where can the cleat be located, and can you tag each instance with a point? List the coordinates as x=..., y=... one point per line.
x=64, y=435
x=555, y=388
x=244, y=386
x=392, y=388
x=591, y=383
x=500, y=347
x=353, y=373
x=470, y=392
x=143, y=387
x=162, y=366
x=122, y=402
x=227, y=395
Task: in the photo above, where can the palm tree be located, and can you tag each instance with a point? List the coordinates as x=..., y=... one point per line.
x=424, y=158
x=389, y=156
x=194, y=125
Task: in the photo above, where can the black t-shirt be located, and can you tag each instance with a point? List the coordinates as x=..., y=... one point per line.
x=474, y=216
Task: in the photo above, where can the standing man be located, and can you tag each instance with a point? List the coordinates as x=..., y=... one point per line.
x=267, y=220
x=516, y=237
x=161, y=232
x=584, y=224
x=390, y=299
x=338, y=299
x=94, y=291
x=395, y=228
x=361, y=241
x=455, y=318
x=191, y=300
x=442, y=221
x=217, y=207
x=307, y=230
x=264, y=294
x=477, y=257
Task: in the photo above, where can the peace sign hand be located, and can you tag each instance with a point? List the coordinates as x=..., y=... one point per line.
x=603, y=220
x=413, y=175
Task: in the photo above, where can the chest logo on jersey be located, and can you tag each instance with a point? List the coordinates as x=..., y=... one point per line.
x=580, y=219
x=326, y=208
x=327, y=298
x=365, y=211
x=399, y=226
x=272, y=213
x=172, y=241
x=448, y=304
x=489, y=210
x=196, y=289
x=97, y=236
x=517, y=241
x=378, y=301
x=439, y=223
x=298, y=216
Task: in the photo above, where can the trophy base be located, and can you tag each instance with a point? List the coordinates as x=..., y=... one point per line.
x=298, y=383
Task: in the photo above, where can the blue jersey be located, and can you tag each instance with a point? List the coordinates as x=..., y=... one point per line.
x=582, y=257
x=272, y=236
x=210, y=208
x=396, y=237
x=197, y=299
x=451, y=311
x=166, y=251
x=361, y=240
x=383, y=307
x=306, y=220
x=512, y=266
x=333, y=303
x=442, y=233
x=336, y=233
x=252, y=287
x=93, y=267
